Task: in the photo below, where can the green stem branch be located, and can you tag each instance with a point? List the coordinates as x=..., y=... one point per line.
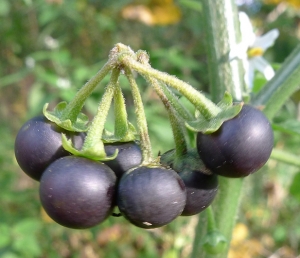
x=285, y=157
x=207, y=108
x=221, y=18
x=176, y=124
x=285, y=82
x=222, y=34
x=141, y=118
x=74, y=107
x=96, y=128
x=121, y=122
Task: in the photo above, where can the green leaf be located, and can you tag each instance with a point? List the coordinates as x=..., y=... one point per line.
x=5, y=237
x=194, y=5
x=289, y=126
x=24, y=236
x=28, y=246
x=295, y=187
x=26, y=227
x=9, y=255
x=55, y=116
x=210, y=126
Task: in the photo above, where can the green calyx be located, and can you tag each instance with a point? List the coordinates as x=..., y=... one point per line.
x=94, y=152
x=93, y=147
x=57, y=116
x=228, y=111
x=214, y=242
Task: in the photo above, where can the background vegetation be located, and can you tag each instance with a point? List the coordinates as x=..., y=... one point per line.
x=50, y=48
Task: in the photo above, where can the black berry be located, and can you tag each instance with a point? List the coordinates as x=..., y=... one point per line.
x=129, y=156
x=77, y=192
x=240, y=147
x=151, y=197
x=38, y=144
x=201, y=190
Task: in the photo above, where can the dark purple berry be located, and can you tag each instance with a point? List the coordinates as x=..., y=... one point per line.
x=151, y=197
x=129, y=156
x=38, y=144
x=201, y=190
x=77, y=192
x=200, y=184
x=240, y=147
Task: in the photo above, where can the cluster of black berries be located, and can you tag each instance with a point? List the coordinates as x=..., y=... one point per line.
x=77, y=192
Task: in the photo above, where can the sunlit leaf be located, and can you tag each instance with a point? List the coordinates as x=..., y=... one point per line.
x=295, y=187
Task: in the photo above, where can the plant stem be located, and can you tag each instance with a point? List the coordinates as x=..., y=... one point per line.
x=285, y=157
x=285, y=82
x=207, y=108
x=96, y=128
x=121, y=122
x=141, y=119
x=180, y=109
x=222, y=34
x=74, y=107
x=211, y=222
x=176, y=124
x=221, y=18
x=200, y=231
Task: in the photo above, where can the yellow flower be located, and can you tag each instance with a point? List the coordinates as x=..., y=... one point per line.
x=294, y=3
x=155, y=13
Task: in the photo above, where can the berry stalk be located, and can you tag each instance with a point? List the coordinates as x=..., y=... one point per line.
x=121, y=122
x=176, y=124
x=74, y=107
x=95, y=131
x=141, y=118
x=207, y=108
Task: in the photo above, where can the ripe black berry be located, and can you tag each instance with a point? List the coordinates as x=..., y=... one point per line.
x=201, y=190
x=151, y=197
x=200, y=184
x=129, y=156
x=77, y=192
x=38, y=144
x=240, y=147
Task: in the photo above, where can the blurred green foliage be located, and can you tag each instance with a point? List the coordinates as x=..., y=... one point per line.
x=50, y=48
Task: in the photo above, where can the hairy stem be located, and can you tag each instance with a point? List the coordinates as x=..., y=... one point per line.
x=121, y=122
x=74, y=107
x=207, y=108
x=221, y=16
x=95, y=131
x=176, y=124
x=141, y=118
x=222, y=34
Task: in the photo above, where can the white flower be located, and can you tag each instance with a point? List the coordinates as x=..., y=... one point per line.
x=251, y=49
x=63, y=83
x=50, y=42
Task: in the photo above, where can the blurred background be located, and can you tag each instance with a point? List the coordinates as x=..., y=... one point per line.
x=50, y=48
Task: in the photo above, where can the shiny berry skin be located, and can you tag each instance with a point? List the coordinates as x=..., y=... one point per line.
x=200, y=184
x=151, y=197
x=77, y=192
x=38, y=144
x=240, y=147
x=201, y=190
x=129, y=156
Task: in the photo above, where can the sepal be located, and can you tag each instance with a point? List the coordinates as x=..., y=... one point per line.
x=55, y=116
x=209, y=126
x=95, y=152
